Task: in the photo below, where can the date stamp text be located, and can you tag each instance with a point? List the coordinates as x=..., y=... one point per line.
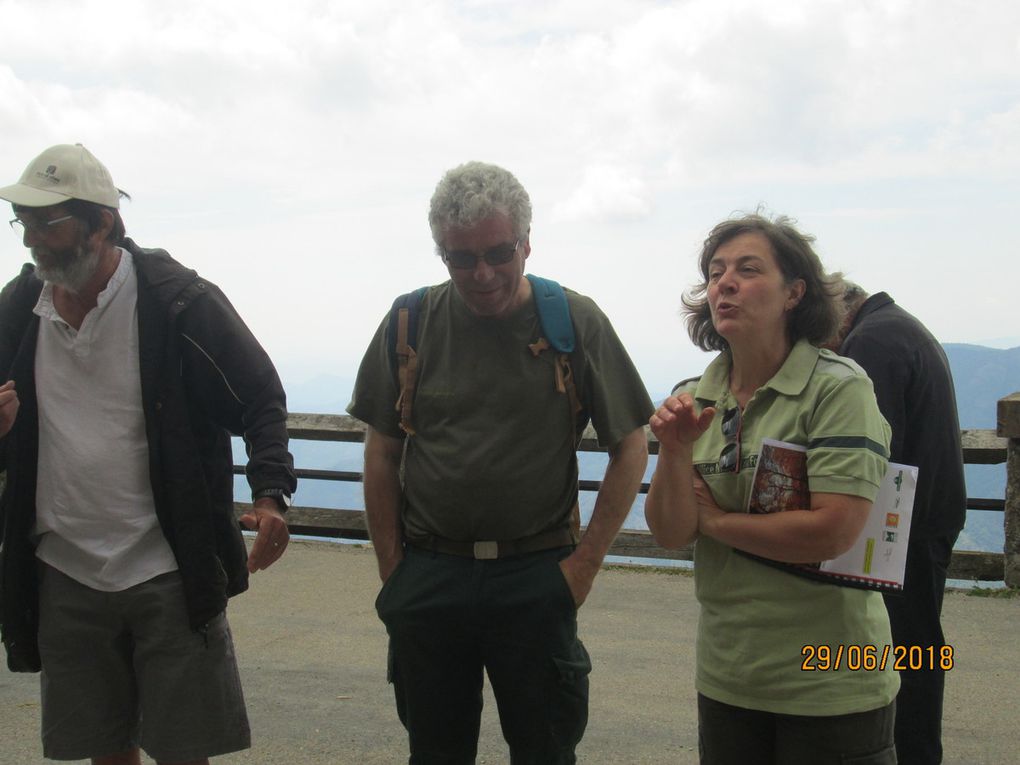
x=870, y=658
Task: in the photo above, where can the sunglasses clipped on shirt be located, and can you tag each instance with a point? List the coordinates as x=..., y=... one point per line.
x=499, y=255
x=729, y=457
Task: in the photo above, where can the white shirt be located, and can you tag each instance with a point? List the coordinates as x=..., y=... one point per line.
x=95, y=513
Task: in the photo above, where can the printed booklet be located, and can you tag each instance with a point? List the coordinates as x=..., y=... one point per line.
x=878, y=558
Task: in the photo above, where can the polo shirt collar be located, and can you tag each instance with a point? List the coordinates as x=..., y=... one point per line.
x=791, y=379
x=715, y=382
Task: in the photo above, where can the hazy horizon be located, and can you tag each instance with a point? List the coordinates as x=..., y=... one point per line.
x=306, y=386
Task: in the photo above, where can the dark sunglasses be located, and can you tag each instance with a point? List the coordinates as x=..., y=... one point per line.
x=729, y=457
x=499, y=255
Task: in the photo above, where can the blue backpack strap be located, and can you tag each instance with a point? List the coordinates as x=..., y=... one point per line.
x=553, y=313
x=401, y=339
x=558, y=331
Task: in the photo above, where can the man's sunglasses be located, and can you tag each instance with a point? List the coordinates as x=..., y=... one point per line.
x=499, y=255
x=36, y=227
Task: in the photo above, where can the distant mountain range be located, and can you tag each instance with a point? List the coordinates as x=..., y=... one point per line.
x=982, y=376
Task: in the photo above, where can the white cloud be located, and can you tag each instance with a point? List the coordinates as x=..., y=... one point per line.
x=294, y=147
x=606, y=192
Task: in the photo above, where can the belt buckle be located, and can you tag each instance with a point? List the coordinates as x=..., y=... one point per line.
x=486, y=550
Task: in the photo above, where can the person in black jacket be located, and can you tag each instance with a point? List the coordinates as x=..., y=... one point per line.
x=125, y=375
x=914, y=388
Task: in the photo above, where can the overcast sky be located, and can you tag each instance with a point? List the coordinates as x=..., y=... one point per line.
x=288, y=150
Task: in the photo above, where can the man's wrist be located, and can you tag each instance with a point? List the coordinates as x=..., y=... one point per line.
x=280, y=496
x=587, y=558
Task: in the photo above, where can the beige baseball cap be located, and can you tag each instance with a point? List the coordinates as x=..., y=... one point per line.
x=60, y=173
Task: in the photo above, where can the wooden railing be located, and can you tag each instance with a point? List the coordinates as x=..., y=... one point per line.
x=980, y=447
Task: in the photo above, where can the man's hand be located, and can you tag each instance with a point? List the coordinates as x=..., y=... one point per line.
x=272, y=537
x=580, y=576
x=8, y=407
x=627, y=460
x=383, y=498
x=388, y=565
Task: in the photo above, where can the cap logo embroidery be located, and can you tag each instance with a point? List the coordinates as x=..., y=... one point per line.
x=60, y=173
x=50, y=176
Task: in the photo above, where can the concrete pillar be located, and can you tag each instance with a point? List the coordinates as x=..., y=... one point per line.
x=1008, y=426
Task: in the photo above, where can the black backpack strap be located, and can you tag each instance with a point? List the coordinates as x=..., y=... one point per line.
x=401, y=339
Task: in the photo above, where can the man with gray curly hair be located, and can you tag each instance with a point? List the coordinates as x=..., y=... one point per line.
x=472, y=500
x=472, y=192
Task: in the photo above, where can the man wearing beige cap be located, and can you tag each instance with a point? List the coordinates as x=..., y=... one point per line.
x=125, y=375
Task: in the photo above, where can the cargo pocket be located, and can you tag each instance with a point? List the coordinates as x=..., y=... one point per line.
x=570, y=709
x=575, y=668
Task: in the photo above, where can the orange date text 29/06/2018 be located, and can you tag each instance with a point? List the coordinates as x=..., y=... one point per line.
x=870, y=658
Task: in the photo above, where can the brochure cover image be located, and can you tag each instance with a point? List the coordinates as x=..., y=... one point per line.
x=878, y=558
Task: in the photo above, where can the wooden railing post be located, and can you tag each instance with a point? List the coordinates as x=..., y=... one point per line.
x=1008, y=426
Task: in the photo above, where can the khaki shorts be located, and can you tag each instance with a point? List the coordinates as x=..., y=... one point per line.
x=123, y=669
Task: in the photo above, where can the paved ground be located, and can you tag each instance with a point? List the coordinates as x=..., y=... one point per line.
x=312, y=659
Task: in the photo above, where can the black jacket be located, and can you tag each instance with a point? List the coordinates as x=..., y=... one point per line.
x=204, y=376
x=914, y=388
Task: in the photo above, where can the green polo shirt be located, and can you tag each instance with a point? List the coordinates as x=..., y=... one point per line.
x=756, y=621
x=494, y=451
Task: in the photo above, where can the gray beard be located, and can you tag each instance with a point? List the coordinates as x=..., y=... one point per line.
x=71, y=273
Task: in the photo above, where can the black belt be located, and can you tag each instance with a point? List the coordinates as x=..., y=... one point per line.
x=490, y=550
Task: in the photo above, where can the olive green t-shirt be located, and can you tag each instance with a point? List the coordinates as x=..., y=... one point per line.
x=494, y=451
x=756, y=621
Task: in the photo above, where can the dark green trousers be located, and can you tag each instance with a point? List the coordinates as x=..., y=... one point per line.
x=915, y=616
x=450, y=619
x=729, y=735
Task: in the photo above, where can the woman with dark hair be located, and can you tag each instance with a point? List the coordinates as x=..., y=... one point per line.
x=765, y=304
